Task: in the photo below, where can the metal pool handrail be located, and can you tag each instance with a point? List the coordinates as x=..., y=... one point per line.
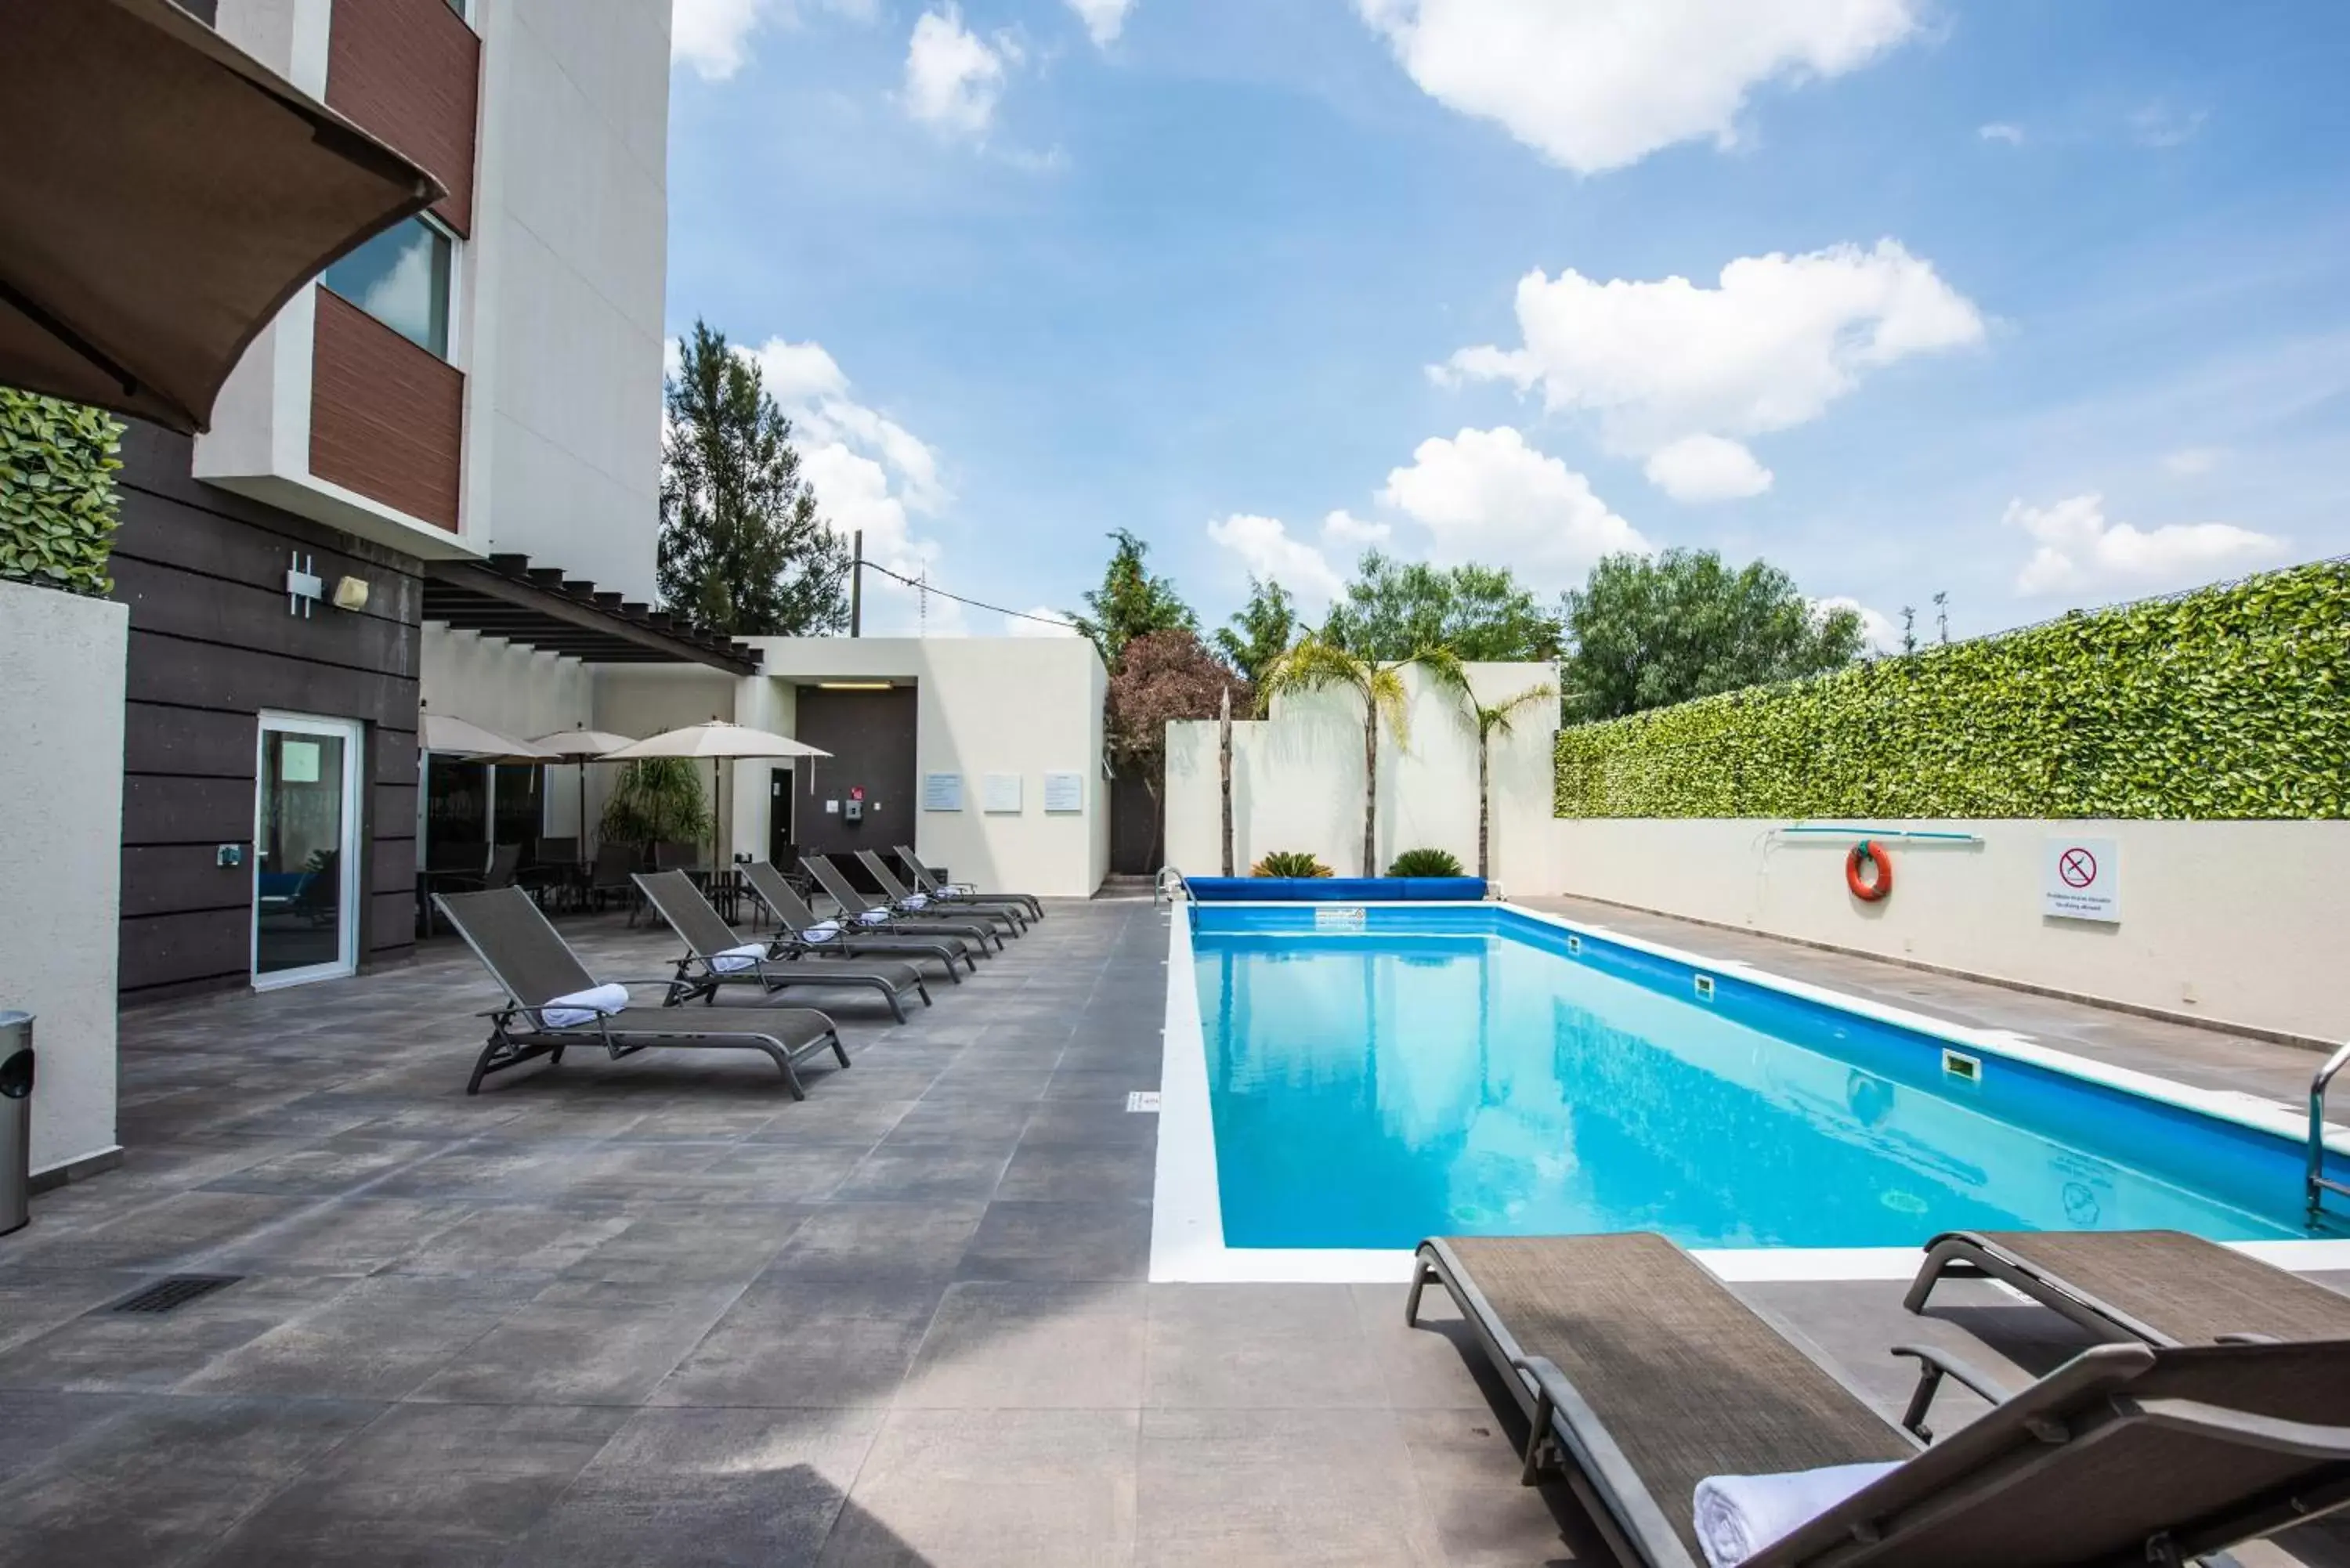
x=1173, y=888
x=2320, y=1184
x=1887, y=833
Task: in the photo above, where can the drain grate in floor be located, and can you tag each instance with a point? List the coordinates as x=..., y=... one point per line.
x=178, y=1291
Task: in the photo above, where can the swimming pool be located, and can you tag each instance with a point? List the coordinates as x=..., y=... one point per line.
x=1375, y=1076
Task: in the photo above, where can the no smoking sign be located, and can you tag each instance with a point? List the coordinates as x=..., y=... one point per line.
x=2080, y=880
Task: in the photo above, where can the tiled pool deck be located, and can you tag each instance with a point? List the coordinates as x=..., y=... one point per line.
x=654, y=1311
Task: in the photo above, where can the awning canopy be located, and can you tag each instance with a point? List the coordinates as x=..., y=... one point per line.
x=538, y=607
x=163, y=194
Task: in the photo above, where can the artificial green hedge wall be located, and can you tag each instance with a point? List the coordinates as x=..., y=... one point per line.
x=58, y=462
x=2228, y=703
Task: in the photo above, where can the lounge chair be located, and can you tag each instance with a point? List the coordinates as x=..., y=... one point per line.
x=808, y=937
x=929, y=881
x=2143, y=1287
x=1641, y=1375
x=715, y=957
x=1013, y=914
x=512, y=937
x=854, y=906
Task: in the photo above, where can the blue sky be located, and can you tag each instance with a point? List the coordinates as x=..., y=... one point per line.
x=2039, y=305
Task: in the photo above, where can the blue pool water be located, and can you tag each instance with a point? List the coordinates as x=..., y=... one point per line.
x=1456, y=1071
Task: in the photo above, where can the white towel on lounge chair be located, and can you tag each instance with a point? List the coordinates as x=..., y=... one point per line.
x=824, y=931
x=584, y=1006
x=1738, y=1516
x=874, y=918
x=914, y=900
x=733, y=961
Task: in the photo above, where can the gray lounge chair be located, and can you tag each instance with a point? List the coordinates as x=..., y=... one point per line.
x=2143, y=1287
x=929, y=881
x=1640, y=1374
x=700, y=974
x=854, y=903
x=796, y=921
x=1013, y=914
x=536, y=965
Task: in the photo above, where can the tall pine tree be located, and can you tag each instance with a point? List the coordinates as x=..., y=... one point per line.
x=743, y=552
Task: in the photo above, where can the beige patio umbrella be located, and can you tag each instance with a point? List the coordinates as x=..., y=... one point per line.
x=462, y=737
x=163, y=196
x=720, y=741
x=581, y=747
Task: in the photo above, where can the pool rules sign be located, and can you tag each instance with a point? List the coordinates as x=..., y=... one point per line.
x=2080, y=880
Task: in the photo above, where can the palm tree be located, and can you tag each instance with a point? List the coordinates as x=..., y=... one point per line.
x=1499, y=719
x=1315, y=665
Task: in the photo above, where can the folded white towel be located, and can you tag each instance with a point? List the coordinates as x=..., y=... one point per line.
x=584, y=1006
x=733, y=961
x=1738, y=1516
x=824, y=931
x=914, y=900
x=874, y=918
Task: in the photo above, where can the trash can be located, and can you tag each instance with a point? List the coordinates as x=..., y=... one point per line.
x=16, y=1120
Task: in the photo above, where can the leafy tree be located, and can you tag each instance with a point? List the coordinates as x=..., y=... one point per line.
x=1393, y=609
x=1261, y=631
x=743, y=550
x=1162, y=676
x=1130, y=602
x=1315, y=664
x=1497, y=719
x=1648, y=631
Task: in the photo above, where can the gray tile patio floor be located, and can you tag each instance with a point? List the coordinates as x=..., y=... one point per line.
x=654, y=1311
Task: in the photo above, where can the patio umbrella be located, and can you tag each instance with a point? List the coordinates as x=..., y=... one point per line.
x=581, y=747
x=720, y=742
x=463, y=738
x=163, y=196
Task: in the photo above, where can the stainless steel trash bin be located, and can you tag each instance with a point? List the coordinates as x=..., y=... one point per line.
x=16, y=1120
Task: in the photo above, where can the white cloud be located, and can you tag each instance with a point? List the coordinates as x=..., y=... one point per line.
x=2001, y=132
x=1343, y=530
x=1104, y=19
x=714, y=36
x=2080, y=551
x=1778, y=340
x=1595, y=85
x=954, y=77
x=1702, y=468
x=1017, y=626
x=1266, y=548
x=870, y=473
x=1877, y=627
x=1487, y=496
x=2190, y=462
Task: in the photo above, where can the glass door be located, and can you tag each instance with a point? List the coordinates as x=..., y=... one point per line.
x=305, y=851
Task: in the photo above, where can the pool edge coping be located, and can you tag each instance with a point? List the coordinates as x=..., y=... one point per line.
x=1187, y=1229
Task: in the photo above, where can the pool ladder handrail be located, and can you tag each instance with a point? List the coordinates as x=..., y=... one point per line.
x=1172, y=887
x=2320, y=1184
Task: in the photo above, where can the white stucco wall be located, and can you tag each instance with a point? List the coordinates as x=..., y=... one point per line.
x=61, y=855
x=1297, y=781
x=986, y=705
x=2232, y=922
x=566, y=272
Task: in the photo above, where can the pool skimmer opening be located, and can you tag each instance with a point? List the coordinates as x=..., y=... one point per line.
x=1959, y=1065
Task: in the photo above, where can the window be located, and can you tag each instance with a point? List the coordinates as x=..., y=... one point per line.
x=401, y=278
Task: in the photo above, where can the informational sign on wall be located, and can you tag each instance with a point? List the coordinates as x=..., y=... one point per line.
x=2080, y=880
x=999, y=793
x=1064, y=793
x=941, y=792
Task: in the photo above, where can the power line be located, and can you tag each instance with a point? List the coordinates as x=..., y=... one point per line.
x=930, y=588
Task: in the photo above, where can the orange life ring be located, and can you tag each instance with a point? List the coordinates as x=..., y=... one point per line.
x=1867, y=891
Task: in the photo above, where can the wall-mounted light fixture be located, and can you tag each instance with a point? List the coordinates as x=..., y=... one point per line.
x=351, y=593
